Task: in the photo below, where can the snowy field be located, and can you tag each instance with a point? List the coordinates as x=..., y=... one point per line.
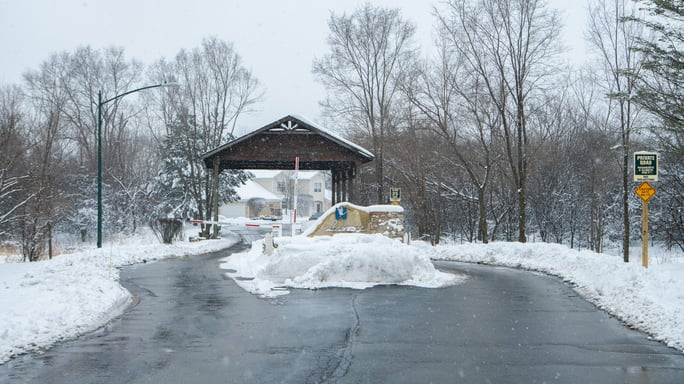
x=49, y=301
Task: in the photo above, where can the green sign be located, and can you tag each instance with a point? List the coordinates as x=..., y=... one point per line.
x=645, y=166
x=395, y=194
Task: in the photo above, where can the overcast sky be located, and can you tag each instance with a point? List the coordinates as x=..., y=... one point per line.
x=277, y=39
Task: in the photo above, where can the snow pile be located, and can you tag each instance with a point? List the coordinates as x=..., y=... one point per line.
x=58, y=299
x=344, y=260
x=651, y=300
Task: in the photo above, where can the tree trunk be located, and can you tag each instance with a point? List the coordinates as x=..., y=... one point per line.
x=482, y=207
x=625, y=205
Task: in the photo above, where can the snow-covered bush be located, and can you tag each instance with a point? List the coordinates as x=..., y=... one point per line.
x=167, y=230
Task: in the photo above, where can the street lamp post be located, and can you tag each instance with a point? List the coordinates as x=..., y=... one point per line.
x=100, y=103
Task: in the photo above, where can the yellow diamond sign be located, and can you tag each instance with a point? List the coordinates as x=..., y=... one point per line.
x=645, y=191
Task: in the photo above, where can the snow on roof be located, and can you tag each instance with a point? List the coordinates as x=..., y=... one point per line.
x=271, y=174
x=307, y=175
x=252, y=190
x=359, y=148
x=265, y=173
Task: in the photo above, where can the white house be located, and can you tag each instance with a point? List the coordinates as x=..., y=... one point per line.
x=254, y=201
x=271, y=192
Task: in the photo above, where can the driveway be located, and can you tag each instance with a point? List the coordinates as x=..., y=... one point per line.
x=193, y=325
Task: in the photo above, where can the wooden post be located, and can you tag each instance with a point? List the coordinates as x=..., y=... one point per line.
x=645, y=192
x=345, y=185
x=644, y=233
x=352, y=175
x=334, y=187
x=215, y=196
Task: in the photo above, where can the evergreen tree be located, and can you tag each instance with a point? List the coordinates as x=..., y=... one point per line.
x=661, y=89
x=183, y=185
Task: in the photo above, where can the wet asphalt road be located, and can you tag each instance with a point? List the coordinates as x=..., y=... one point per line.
x=192, y=325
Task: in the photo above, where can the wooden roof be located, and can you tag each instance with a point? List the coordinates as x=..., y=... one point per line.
x=275, y=146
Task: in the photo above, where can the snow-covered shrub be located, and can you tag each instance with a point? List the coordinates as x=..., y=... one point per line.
x=167, y=229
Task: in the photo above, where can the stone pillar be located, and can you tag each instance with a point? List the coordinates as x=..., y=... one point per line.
x=390, y=224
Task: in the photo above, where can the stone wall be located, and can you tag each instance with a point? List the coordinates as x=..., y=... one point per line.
x=390, y=224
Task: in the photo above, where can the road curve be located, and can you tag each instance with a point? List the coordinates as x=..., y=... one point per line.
x=501, y=326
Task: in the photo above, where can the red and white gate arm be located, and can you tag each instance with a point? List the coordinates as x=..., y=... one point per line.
x=257, y=225
x=197, y=221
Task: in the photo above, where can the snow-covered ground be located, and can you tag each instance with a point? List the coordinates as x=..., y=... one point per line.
x=59, y=299
x=72, y=294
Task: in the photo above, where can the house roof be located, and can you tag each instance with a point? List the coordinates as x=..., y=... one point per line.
x=271, y=174
x=252, y=189
x=265, y=173
x=275, y=146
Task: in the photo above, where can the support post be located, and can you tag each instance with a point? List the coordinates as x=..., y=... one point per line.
x=334, y=187
x=644, y=234
x=345, y=187
x=215, y=196
x=352, y=175
x=294, y=208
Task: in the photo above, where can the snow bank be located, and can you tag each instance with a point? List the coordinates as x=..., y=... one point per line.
x=344, y=260
x=651, y=300
x=58, y=299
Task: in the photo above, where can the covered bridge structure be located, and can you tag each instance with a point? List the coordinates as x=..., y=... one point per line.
x=276, y=145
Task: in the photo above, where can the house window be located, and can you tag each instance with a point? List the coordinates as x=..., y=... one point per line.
x=280, y=186
x=317, y=187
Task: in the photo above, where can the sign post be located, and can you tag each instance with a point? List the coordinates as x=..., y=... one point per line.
x=294, y=217
x=645, y=192
x=644, y=234
x=645, y=170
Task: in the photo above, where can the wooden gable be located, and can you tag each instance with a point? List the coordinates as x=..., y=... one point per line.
x=276, y=145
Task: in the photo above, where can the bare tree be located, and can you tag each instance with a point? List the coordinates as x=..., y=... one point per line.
x=458, y=109
x=369, y=50
x=419, y=172
x=614, y=40
x=510, y=46
x=80, y=75
x=47, y=153
x=216, y=90
x=12, y=148
x=76, y=78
